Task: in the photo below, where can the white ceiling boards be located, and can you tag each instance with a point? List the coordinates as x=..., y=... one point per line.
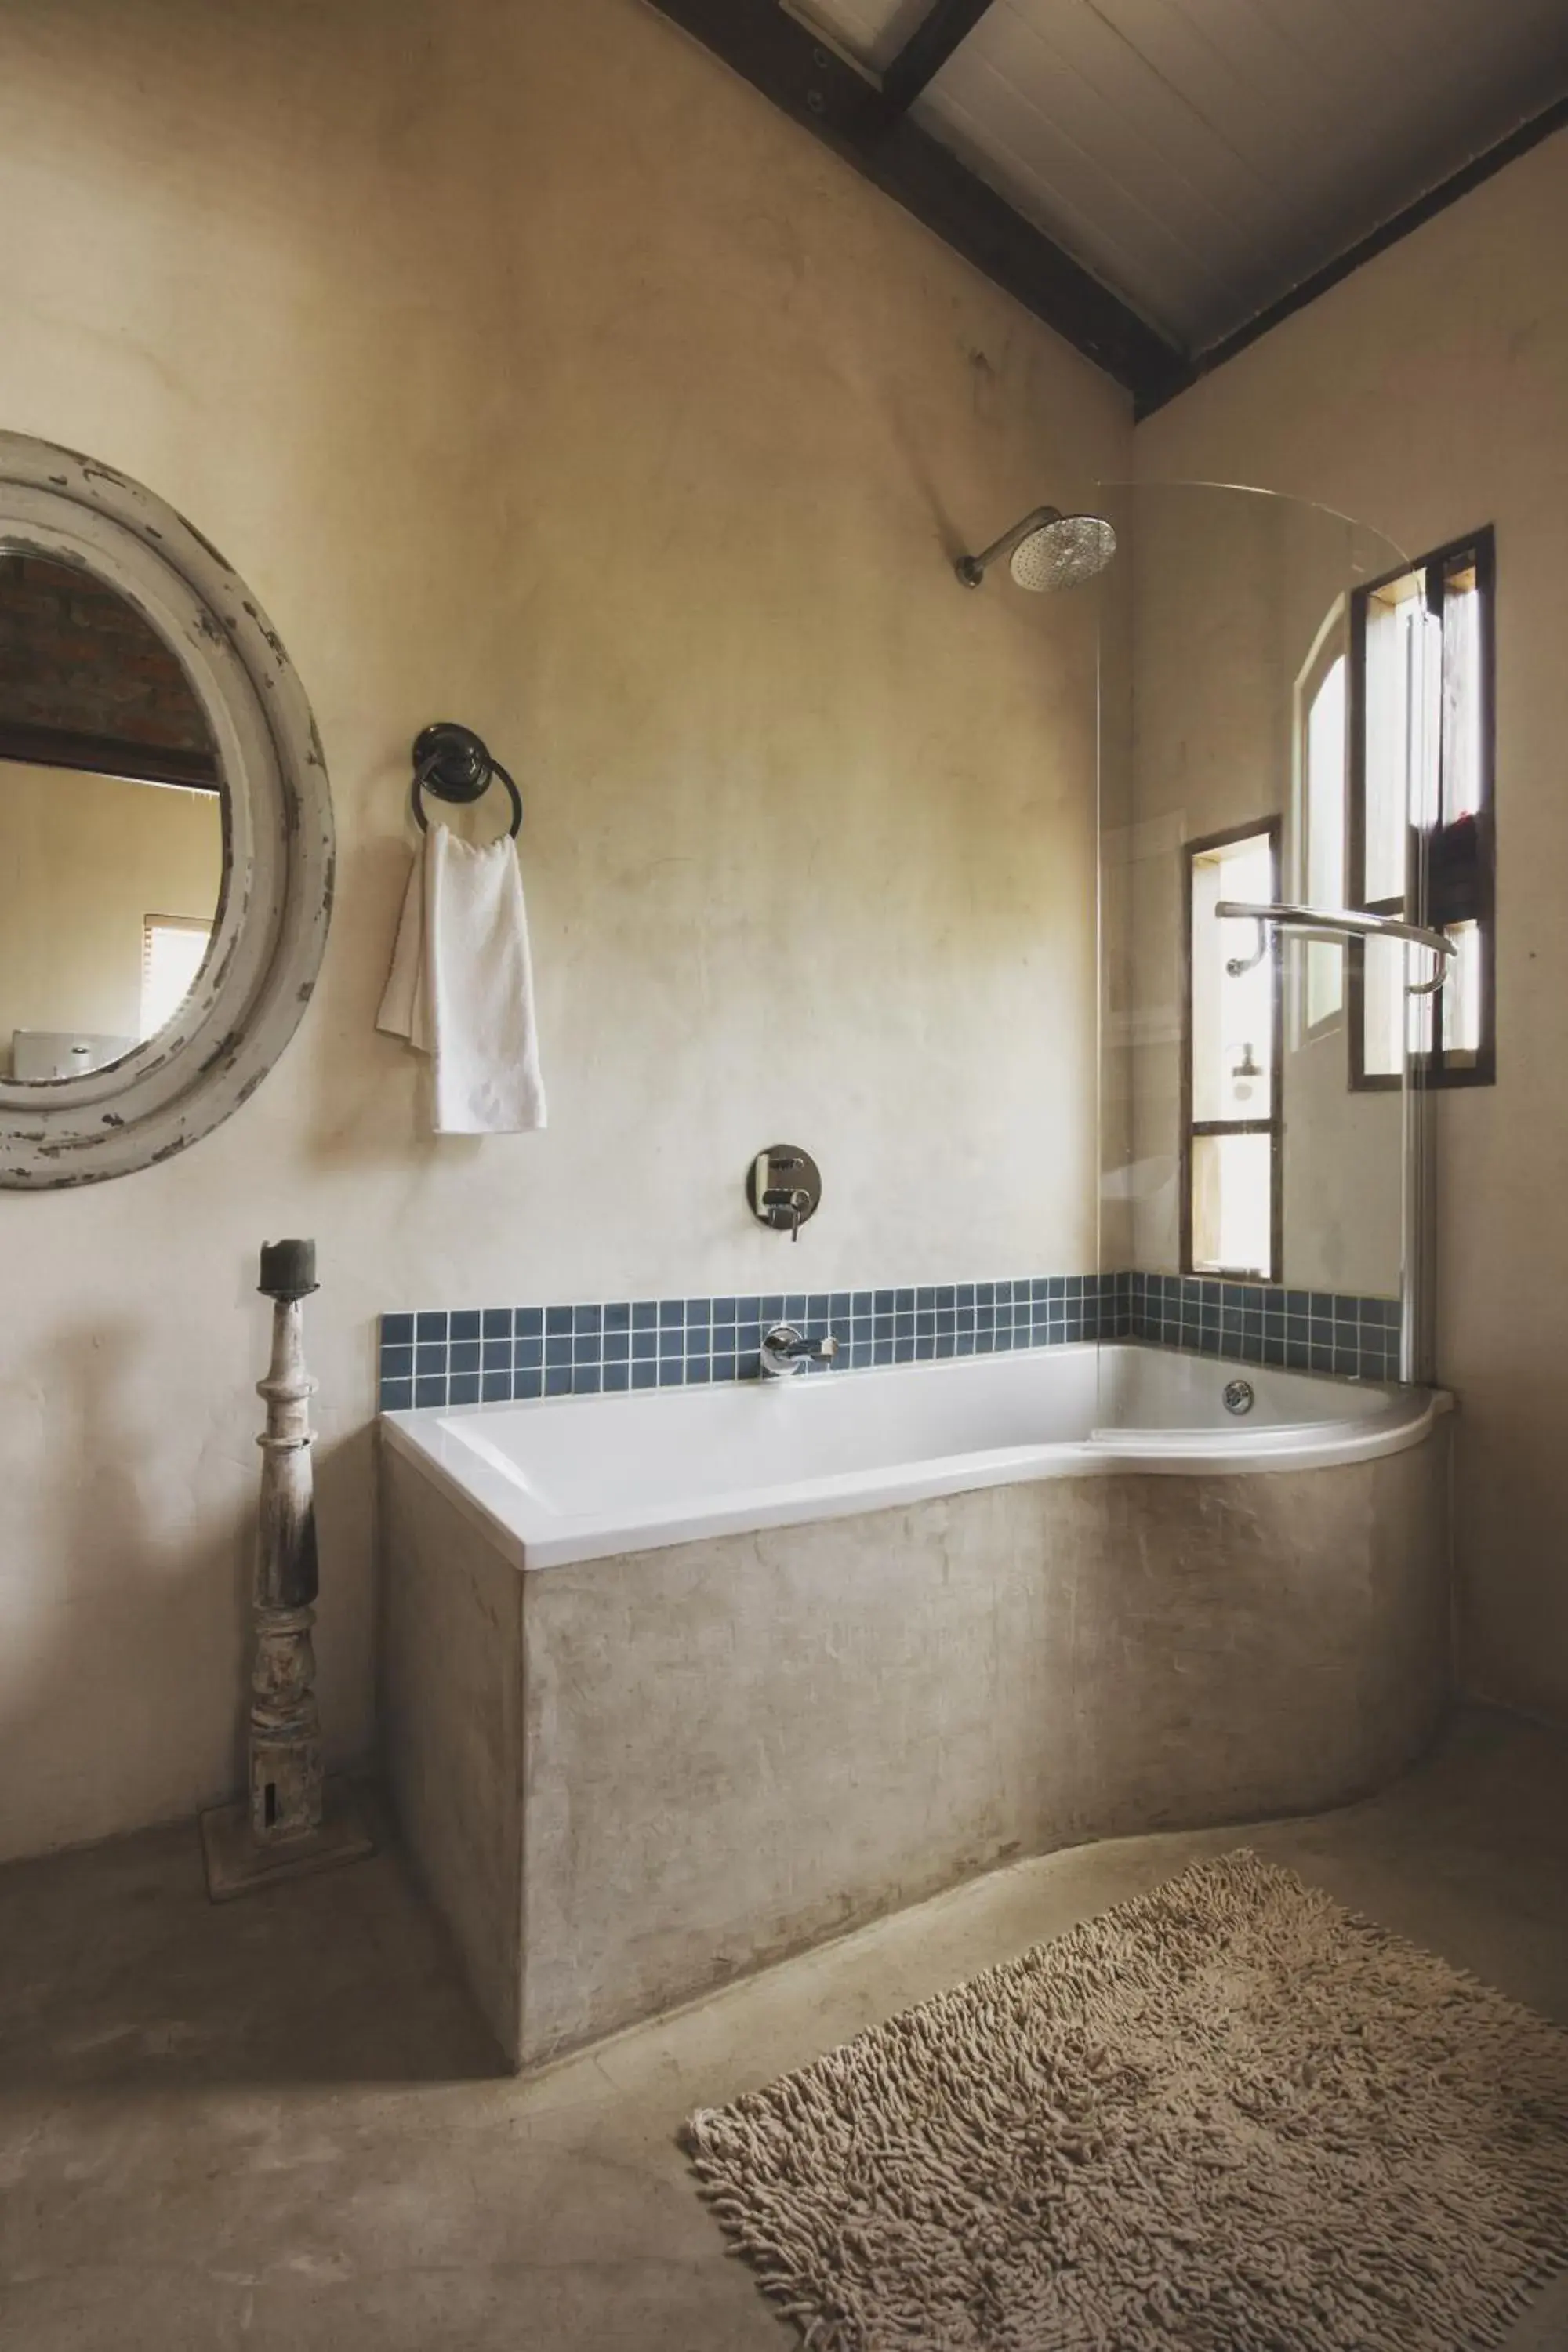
x=1201, y=160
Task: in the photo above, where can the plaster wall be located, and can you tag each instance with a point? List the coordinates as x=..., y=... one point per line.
x=86, y=859
x=1427, y=394
x=535, y=373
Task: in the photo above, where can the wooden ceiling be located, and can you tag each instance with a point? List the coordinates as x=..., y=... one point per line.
x=86, y=682
x=1201, y=165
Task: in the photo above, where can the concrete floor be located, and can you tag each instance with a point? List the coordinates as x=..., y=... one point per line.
x=279, y=2123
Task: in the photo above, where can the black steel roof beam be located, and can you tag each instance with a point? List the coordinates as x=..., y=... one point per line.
x=945, y=24
x=811, y=83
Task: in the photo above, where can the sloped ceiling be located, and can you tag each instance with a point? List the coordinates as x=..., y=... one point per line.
x=1202, y=158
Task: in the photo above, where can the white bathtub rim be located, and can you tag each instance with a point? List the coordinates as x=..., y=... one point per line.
x=495, y=1500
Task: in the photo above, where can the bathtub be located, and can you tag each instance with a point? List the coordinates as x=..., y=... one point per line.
x=580, y=1479
x=680, y=1682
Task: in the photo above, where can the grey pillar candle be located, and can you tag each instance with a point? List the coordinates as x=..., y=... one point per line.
x=288, y=1269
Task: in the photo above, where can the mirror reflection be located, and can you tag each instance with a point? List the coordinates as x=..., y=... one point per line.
x=112, y=823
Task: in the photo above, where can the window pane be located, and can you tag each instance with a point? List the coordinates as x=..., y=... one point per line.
x=1462, y=778
x=1325, y=766
x=1401, y=683
x=1232, y=1014
x=1384, y=1000
x=1233, y=1196
x=172, y=952
x=1462, y=992
x=1387, y=744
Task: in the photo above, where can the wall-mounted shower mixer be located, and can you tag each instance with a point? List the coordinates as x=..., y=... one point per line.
x=784, y=1188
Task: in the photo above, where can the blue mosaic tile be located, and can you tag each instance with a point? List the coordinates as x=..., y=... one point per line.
x=1320, y=1331
x=465, y=1355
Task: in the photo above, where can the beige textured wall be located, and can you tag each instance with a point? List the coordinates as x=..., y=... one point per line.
x=1427, y=394
x=535, y=373
x=84, y=859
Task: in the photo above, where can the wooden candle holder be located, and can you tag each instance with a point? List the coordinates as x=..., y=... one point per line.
x=293, y=1820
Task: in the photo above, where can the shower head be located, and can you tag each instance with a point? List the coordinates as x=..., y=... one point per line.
x=1046, y=550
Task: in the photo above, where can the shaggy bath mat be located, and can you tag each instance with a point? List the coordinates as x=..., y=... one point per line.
x=1227, y=2116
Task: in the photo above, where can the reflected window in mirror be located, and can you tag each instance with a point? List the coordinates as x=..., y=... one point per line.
x=172, y=949
x=112, y=825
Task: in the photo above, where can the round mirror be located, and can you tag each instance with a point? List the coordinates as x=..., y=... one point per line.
x=165, y=827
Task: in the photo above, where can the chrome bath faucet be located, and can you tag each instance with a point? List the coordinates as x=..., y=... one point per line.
x=786, y=1351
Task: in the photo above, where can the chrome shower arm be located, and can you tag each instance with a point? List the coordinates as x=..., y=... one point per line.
x=972, y=569
x=1339, y=923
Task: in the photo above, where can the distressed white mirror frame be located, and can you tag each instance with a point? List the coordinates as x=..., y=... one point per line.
x=271, y=922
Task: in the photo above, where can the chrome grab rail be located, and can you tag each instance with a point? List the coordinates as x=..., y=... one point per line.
x=1337, y=923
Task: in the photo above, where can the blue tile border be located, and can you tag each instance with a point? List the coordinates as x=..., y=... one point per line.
x=1255, y=1323
x=606, y=1347
x=516, y=1354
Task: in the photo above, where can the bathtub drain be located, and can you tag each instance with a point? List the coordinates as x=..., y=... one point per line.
x=1238, y=1396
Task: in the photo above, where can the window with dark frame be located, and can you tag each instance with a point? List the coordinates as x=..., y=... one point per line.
x=1422, y=828
x=1232, y=1052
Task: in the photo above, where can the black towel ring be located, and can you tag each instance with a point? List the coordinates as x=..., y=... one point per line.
x=450, y=762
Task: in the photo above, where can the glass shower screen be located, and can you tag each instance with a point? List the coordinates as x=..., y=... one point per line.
x=1257, y=1171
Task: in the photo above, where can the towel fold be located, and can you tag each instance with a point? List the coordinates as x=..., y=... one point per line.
x=461, y=986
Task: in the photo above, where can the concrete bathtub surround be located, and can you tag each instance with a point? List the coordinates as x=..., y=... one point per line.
x=676, y=1684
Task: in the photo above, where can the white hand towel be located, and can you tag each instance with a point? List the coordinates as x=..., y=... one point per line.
x=461, y=986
